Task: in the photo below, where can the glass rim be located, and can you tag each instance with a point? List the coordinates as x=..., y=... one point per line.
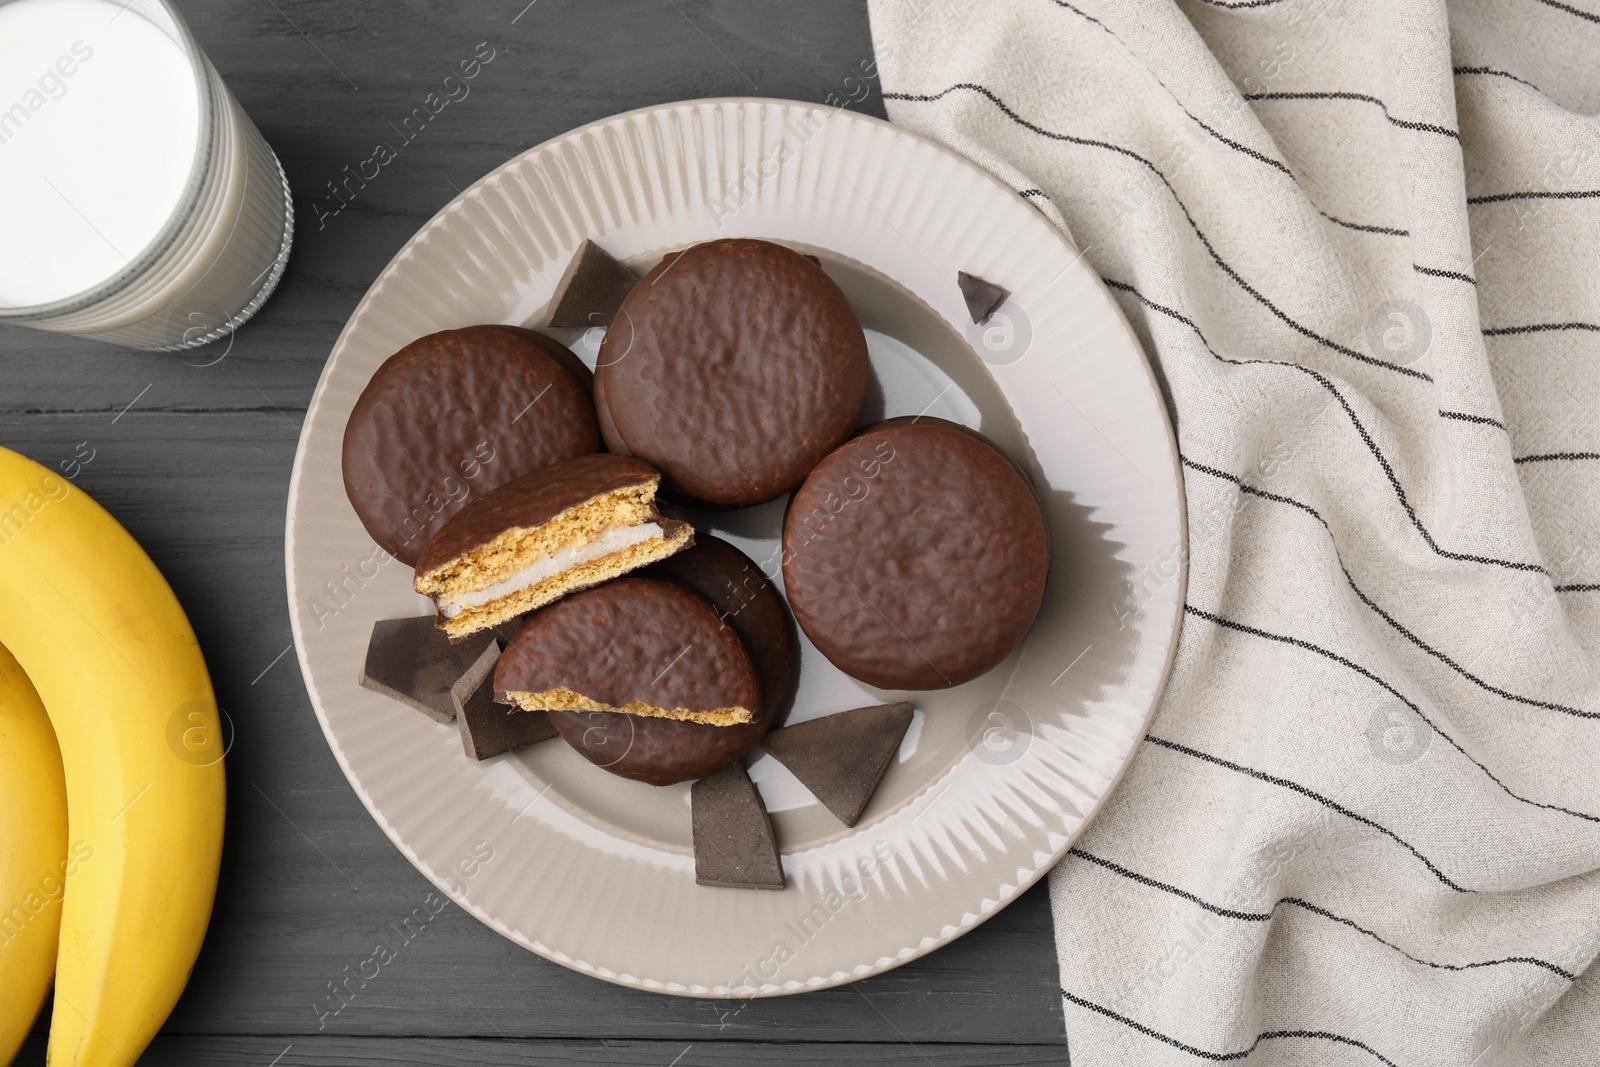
x=188, y=200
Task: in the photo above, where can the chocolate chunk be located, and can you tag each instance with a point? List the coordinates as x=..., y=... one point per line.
x=538, y=537
x=915, y=556
x=448, y=418
x=592, y=289
x=664, y=751
x=733, y=369
x=414, y=662
x=734, y=845
x=841, y=758
x=487, y=728
x=982, y=297
x=638, y=645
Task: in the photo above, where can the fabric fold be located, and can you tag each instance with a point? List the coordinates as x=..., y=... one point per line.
x=1358, y=240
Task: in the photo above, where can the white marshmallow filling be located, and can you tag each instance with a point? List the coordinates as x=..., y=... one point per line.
x=550, y=564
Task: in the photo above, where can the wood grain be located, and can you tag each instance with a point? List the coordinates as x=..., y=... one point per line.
x=192, y=453
x=324, y=1051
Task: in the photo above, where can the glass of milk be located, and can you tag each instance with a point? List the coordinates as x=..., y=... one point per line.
x=138, y=203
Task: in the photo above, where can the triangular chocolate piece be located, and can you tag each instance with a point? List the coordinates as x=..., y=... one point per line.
x=414, y=662
x=489, y=729
x=592, y=289
x=733, y=841
x=841, y=758
x=982, y=297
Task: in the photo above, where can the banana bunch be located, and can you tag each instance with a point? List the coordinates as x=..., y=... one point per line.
x=115, y=839
x=33, y=851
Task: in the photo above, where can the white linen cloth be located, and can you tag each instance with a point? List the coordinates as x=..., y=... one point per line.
x=1360, y=240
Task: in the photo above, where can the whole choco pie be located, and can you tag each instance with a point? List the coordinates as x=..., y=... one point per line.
x=664, y=751
x=451, y=416
x=733, y=368
x=915, y=556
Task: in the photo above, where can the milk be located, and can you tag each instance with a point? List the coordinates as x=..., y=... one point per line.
x=87, y=92
x=132, y=187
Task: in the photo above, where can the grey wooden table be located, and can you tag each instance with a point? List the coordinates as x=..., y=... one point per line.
x=192, y=454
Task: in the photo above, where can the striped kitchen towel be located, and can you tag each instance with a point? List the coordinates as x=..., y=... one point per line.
x=1360, y=240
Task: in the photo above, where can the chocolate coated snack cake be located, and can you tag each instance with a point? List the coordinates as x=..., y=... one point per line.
x=915, y=556
x=565, y=527
x=448, y=418
x=733, y=367
x=664, y=751
x=635, y=645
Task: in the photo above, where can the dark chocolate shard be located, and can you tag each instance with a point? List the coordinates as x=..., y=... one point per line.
x=489, y=729
x=592, y=289
x=412, y=661
x=982, y=297
x=733, y=841
x=841, y=758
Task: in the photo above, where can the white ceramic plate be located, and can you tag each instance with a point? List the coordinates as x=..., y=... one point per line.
x=996, y=777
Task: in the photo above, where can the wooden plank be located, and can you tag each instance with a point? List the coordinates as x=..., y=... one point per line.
x=310, y=882
x=319, y=1050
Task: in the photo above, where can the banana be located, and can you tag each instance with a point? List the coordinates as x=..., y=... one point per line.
x=101, y=636
x=33, y=853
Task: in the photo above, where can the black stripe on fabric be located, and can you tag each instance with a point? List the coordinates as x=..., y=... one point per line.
x=1235, y=145
x=1388, y=231
x=1304, y=331
x=1145, y=880
x=1500, y=198
x=1397, y=627
x=1252, y=490
x=1243, y=149
x=1490, y=71
x=1569, y=9
x=1296, y=787
x=1219, y=1057
x=1366, y=437
x=1539, y=327
x=1402, y=631
x=1305, y=905
x=1405, y=124
x=1551, y=457
x=1386, y=687
x=1407, y=634
x=1239, y=5
x=1425, y=127
x=1040, y=193
x=1468, y=675
x=1451, y=274
x=1481, y=420
x=1579, y=587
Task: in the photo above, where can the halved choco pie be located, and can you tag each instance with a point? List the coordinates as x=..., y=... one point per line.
x=566, y=527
